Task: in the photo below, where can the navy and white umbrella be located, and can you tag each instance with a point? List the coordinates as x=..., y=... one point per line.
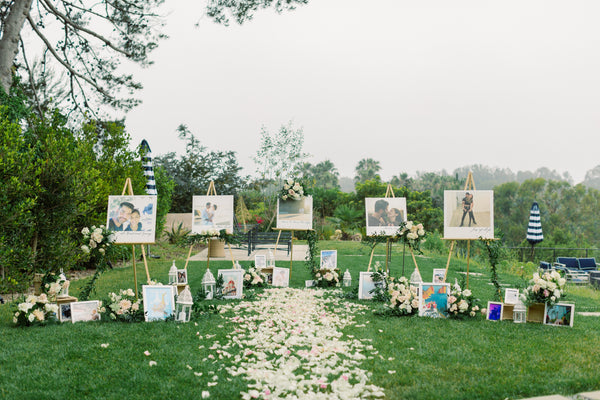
x=148, y=168
x=534, y=229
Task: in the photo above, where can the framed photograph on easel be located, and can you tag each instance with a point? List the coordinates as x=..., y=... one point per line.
x=469, y=214
x=132, y=219
x=295, y=214
x=212, y=213
x=384, y=215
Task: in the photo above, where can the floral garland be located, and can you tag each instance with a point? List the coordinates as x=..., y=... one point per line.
x=96, y=241
x=35, y=310
x=547, y=288
x=292, y=190
x=124, y=306
x=462, y=303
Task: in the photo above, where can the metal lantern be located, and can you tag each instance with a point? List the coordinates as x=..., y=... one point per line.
x=208, y=284
x=271, y=260
x=184, y=305
x=62, y=279
x=519, y=313
x=347, y=279
x=173, y=274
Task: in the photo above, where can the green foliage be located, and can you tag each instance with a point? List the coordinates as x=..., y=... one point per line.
x=367, y=169
x=177, y=235
x=221, y=10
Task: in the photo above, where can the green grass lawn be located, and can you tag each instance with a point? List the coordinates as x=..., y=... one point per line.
x=432, y=358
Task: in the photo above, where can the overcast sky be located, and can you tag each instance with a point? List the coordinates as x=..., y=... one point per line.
x=418, y=86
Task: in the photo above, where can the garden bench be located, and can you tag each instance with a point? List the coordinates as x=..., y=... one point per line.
x=256, y=239
x=588, y=264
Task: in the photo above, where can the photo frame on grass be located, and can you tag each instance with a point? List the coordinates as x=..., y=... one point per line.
x=433, y=299
x=281, y=277
x=85, y=311
x=439, y=275
x=365, y=285
x=384, y=215
x=511, y=296
x=468, y=214
x=233, y=283
x=182, y=276
x=159, y=302
x=64, y=312
x=212, y=213
x=295, y=214
x=494, y=311
x=260, y=261
x=132, y=219
x=329, y=259
x=560, y=314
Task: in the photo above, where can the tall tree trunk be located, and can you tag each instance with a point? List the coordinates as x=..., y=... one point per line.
x=9, y=43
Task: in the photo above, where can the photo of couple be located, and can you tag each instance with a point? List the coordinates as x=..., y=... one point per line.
x=468, y=214
x=132, y=218
x=212, y=213
x=385, y=215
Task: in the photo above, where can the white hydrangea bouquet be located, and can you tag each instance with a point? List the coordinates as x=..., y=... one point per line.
x=412, y=234
x=462, y=303
x=404, y=299
x=123, y=306
x=254, y=278
x=327, y=278
x=547, y=288
x=35, y=310
x=292, y=190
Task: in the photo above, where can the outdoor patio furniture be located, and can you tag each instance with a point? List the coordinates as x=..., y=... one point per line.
x=588, y=264
x=545, y=265
x=566, y=264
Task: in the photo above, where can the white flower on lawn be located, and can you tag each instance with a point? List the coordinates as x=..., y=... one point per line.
x=152, y=363
x=205, y=393
x=146, y=353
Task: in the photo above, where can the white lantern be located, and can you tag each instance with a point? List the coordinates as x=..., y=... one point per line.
x=271, y=260
x=184, y=305
x=62, y=279
x=347, y=278
x=519, y=313
x=415, y=277
x=209, y=283
x=173, y=274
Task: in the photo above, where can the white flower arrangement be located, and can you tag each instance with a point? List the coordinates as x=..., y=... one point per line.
x=123, y=306
x=254, y=278
x=292, y=190
x=96, y=241
x=547, y=288
x=35, y=310
x=412, y=234
x=462, y=303
x=404, y=299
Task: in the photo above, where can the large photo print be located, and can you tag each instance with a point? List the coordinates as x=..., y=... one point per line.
x=468, y=214
x=132, y=218
x=212, y=213
x=385, y=215
x=295, y=214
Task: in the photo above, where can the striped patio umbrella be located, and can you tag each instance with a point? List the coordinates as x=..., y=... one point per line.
x=534, y=228
x=148, y=168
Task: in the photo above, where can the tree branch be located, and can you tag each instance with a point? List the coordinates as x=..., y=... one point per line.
x=63, y=62
x=31, y=81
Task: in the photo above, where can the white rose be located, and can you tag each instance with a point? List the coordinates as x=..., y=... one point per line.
x=467, y=292
x=409, y=225
x=24, y=307
x=556, y=293
x=290, y=181
x=463, y=305
x=85, y=249
x=85, y=231
x=31, y=317
x=421, y=232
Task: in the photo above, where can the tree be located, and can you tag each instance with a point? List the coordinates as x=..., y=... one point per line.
x=193, y=171
x=367, y=169
x=244, y=10
x=280, y=155
x=323, y=175
x=91, y=34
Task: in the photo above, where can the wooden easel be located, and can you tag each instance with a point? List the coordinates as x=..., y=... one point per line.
x=389, y=192
x=210, y=192
x=291, y=245
x=128, y=189
x=469, y=185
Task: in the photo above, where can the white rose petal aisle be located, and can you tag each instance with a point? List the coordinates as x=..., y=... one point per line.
x=289, y=344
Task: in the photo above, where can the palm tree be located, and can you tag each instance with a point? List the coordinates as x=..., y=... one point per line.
x=366, y=169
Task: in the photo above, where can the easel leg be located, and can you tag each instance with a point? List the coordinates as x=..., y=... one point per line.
x=449, y=256
x=371, y=259
x=146, y=265
x=231, y=253
x=135, y=282
x=468, y=260
x=388, y=251
x=291, y=253
x=188, y=257
x=414, y=259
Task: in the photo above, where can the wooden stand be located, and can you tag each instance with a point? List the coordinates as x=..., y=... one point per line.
x=389, y=192
x=291, y=246
x=535, y=313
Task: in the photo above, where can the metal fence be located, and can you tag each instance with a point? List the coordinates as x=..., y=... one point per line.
x=549, y=254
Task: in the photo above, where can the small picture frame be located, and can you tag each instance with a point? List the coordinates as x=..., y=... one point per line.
x=329, y=259
x=511, y=296
x=433, y=299
x=182, y=276
x=494, y=311
x=560, y=314
x=85, y=311
x=159, y=302
x=439, y=275
x=310, y=283
x=64, y=312
x=365, y=285
x=233, y=283
x=260, y=261
x=281, y=277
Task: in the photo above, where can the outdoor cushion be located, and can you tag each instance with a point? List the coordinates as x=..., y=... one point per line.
x=588, y=264
x=545, y=265
x=568, y=262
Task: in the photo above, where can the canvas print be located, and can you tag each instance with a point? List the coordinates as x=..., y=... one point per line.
x=365, y=285
x=159, y=302
x=494, y=311
x=329, y=259
x=212, y=213
x=385, y=215
x=85, y=311
x=182, y=276
x=560, y=314
x=281, y=277
x=295, y=214
x=132, y=218
x=233, y=283
x=64, y=312
x=439, y=275
x=468, y=214
x=260, y=261
x=433, y=299
x=511, y=296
